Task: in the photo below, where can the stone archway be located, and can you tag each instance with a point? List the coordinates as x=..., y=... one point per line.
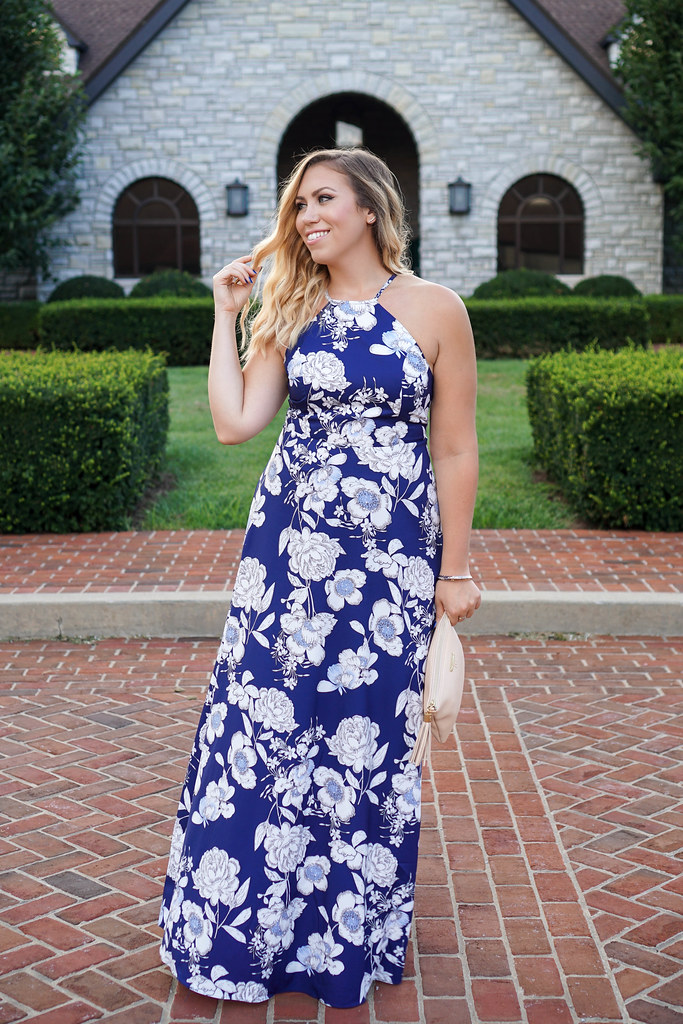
x=358, y=118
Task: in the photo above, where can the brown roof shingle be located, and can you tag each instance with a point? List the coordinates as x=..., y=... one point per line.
x=103, y=25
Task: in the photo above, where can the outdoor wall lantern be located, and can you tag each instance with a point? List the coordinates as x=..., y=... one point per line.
x=237, y=195
x=459, y=193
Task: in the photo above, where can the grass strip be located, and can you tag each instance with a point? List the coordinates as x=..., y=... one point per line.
x=213, y=485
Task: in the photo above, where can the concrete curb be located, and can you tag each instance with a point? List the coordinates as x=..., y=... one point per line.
x=202, y=614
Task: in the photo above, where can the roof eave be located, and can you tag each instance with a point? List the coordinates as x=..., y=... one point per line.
x=604, y=85
x=132, y=46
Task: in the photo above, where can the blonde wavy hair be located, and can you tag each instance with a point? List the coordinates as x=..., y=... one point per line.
x=295, y=285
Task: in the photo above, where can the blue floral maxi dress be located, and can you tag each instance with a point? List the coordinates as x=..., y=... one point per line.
x=293, y=859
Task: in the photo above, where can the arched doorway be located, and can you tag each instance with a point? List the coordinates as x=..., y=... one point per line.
x=356, y=118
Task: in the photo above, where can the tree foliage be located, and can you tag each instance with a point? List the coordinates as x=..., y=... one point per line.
x=651, y=67
x=41, y=114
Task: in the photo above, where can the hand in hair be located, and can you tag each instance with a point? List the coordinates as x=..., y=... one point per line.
x=233, y=284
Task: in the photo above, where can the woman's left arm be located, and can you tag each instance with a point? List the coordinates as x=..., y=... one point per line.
x=453, y=448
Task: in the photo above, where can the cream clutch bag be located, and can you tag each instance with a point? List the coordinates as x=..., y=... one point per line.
x=444, y=679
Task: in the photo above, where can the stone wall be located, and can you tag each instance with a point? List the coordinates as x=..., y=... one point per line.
x=483, y=94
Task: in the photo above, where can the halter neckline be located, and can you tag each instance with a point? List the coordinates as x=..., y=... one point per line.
x=359, y=302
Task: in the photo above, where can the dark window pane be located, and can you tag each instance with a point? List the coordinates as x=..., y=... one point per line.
x=125, y=207
x=539, y=207
x=157, y=248
x=186, y=206
x=191, y=250
x=156, y=210
x=147, y=229
x=169, y=189
x=540, y=245
x=145, y=188
x=527, y=186
x=509, y=204
x=123, y=252
x=548, y=213
x=571, y=203
x=573, y=243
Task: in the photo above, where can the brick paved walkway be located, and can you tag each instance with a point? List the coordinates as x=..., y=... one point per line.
x=549, y=885
x=566, y=560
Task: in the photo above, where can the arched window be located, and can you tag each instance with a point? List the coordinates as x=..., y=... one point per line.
x=156, y=226
x=540, y=226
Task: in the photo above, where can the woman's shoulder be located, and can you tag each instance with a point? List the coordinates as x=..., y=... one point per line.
x=427, y=297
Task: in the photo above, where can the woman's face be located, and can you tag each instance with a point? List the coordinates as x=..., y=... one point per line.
x=328, y=217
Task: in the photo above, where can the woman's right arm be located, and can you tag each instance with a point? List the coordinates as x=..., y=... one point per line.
x=242, y=402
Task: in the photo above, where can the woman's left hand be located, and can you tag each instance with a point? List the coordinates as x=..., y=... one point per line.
x=459, y=599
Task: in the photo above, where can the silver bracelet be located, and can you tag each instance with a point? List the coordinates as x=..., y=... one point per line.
x=440, y=577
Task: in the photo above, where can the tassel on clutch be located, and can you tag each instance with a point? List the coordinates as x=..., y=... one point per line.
x=443, y=685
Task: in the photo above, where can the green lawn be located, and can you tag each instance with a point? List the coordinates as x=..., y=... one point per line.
x=214, y=484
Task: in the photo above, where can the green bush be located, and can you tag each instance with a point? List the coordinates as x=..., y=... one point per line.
x=81, y=435
x=513, y=284
x=180, y=328
x=170, y=282
x=608, y=428
x=19, y=324
x=530, y=327
x=666, y=318
x=87, y=286
x=605, y=286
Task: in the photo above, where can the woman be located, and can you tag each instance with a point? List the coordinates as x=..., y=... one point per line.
x=293, y=858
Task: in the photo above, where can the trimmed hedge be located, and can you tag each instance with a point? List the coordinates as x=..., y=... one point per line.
x=86, y=286
x=608, y=428
x=19, y=324
x=170, y=282
x=529, y=327
x=82, y=435
x=181, y=328
x=516, y=284
x=666, y=318
x=605, y=286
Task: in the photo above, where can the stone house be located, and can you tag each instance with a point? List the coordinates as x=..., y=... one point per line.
x=198, y=109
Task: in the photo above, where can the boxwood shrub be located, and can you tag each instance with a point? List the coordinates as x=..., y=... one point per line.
x=19, y=324
x=666, y=318
x=82, y=434
x=605, y=286
x=608, y=428
x=515, y=284
x=86, y=286
x=530, y=327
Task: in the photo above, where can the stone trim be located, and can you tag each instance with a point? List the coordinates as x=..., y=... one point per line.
x=154, y=167
x=318, y=87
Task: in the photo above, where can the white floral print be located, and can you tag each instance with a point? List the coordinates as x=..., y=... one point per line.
x=355, y=742
x=295, y=846
x=345, y=588
x=216, y=878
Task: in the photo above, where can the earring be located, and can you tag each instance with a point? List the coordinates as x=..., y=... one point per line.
x=371, y=220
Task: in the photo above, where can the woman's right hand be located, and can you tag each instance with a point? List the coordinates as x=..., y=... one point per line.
x=233, y=284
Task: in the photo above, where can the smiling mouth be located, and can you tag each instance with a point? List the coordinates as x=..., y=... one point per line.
x=315, y=235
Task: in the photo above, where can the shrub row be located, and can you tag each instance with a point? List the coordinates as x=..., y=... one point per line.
x=529, y=327
x=82, y=434
x=180, y=328
x=19, y=324
x=666, y=318
x=608, y=428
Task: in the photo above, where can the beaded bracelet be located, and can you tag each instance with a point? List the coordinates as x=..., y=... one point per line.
x=440, y=577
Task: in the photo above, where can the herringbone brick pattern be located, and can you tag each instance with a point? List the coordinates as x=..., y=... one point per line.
x=548, y=891
x=562, y=560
